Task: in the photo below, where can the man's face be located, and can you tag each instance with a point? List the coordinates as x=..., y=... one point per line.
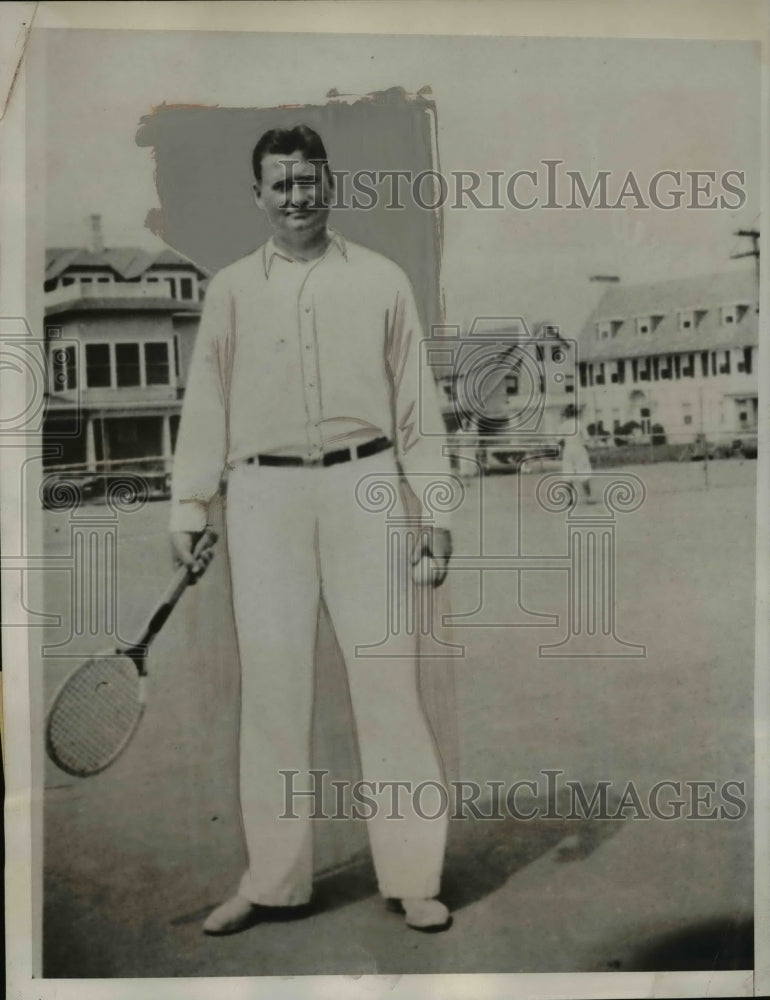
x=295, y=194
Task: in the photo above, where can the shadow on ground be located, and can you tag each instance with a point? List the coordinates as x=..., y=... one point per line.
x=719, y=945
x=482, y=854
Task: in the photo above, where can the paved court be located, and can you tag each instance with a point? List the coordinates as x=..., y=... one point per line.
x=135, y=857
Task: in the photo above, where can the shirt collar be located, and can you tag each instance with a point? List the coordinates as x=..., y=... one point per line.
x=270, y=251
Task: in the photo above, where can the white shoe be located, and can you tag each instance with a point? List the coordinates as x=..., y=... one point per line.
x=232, y=916
x=428, y=915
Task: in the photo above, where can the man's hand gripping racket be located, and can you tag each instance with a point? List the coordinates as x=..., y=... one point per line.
x=99, y=706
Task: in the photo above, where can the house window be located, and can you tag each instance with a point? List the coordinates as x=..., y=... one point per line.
x=186, y=288
x=724, y=368
x=450, y=387
x=103, y=281
x=151, y=281
x=644, y=371
x=686, y=320
x=98, y=369
x=677, y=366
x=643, y=326
x=64, y=369
x=688, y=418
x=730, y=315
x=172, y=286
x=665, y=367
x=583, y=375
x=704, y=363
x=713, y=362
x=86, y=281
x=603, y=330
x=619, y=375
x=67, y=281
x=688, y=368
x=745, y=364
x=156, y=368
x=127, y=371
x=600, y=373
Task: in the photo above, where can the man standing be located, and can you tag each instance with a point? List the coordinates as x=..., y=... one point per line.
x=575, y=460
x=305, y=379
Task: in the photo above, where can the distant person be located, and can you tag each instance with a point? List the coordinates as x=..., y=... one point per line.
x=575, y=461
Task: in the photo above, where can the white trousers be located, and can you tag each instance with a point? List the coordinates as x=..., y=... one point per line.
x=294, y=534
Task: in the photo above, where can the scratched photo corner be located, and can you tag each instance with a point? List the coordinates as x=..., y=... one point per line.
x=395, y=462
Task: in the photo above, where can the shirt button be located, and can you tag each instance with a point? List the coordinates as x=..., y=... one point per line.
x=307, y=309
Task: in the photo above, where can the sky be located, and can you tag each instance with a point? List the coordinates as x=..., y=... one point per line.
x=503, y=104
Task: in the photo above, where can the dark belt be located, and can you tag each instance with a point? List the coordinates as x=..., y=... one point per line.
x=330, y=458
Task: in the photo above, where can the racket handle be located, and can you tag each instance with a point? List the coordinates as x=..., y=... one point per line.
x=166, y=605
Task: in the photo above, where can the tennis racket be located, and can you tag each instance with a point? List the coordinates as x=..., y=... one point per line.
x=99, y=706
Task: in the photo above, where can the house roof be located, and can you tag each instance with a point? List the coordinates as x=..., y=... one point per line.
x=666, y=299
x=128, y=304
x=125, y=262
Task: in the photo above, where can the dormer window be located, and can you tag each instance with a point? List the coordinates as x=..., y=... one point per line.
x=730, y=315
x=607, y=328
x=689, y=319
x=647, y=324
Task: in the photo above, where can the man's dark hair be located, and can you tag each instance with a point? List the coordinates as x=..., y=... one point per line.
x=285, y=141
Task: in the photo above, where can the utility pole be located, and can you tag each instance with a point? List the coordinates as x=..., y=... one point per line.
x=753, y=235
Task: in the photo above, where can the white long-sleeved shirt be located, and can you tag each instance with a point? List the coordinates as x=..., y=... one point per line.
x=300, y=358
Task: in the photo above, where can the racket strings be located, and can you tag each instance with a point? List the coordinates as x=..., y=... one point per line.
x=95, y=714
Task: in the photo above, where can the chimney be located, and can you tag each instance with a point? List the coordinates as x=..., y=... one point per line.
x=97, y=238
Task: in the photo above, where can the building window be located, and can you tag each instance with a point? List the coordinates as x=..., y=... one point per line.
x=643, y=326
x=98, y=369
x=665, y=366
x=745, y=364
x=713, y=362
x=603, y=330
x=156, y=368
x=186, y=288
x=151, y=281
x=729, y=315
x=127, y=371
x=688, y=367
x=582, y=373
x=686, y=320
x=688, y=418
x=64, y=369
x=600, y=373
x=176, y=364
x=103, y=281
x=619, y=375
x=704, y=363
x=724, y=368
x=677, y=366
x=67, y=281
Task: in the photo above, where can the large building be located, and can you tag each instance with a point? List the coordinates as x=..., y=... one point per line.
x=120, y=328
x=673, y=359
